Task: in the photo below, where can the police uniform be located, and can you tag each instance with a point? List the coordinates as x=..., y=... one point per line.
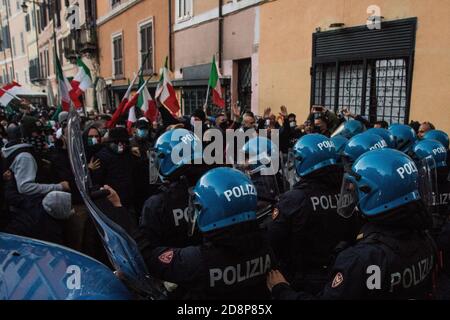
x=164, y=220
x=385, y=263
x=306, y=229
x=211, y=272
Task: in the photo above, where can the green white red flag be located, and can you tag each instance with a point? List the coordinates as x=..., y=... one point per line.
x=165, y=92
x=214, y=84
x=80, y=83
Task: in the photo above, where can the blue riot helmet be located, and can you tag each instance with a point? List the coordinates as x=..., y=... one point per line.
x=173, y=151
x=361, y=144
x=349, y=129
x=313, y=152
x=404, y=136
x=221, y=198
x=380, y=181
x=438, y=135
x=385, y=134
x=339, y=143
x=430, y=148
x=260, y=153
x=262, y=164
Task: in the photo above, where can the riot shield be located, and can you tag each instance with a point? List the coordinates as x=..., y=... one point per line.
x=122, y=250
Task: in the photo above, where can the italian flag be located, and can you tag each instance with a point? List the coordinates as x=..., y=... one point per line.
x=214, y=84
x=8, y=92
x=111, y=123
x=146, y=103
x=64, y=86
x=131, y=118
x=80, y=83
x=165, y=92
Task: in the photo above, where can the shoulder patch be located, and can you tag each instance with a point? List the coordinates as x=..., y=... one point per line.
x=166, y=257
x=338, y=279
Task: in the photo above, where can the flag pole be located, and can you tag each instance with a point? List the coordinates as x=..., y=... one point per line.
x=205, y=106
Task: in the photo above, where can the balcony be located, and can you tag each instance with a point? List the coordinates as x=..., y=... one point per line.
x=33, y=71
x=88, y=40
x=70, y=52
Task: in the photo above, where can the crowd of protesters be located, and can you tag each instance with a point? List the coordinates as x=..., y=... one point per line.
x=39, y=196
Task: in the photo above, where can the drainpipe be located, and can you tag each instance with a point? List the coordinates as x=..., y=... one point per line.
x=170, y=36
x=220, y=34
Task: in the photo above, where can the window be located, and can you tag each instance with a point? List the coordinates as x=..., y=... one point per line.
x=373, y=78
x=47, y=63
x=60, y=49
x=8, y=7
x=22, y=43
x=5, y=37
x=146, y=50
x=184, y=9
x=115, y=3
x=13, y=40
x=27, y=23
x=117, y=56
x=18, y=5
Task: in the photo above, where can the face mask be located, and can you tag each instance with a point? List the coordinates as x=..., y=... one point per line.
x=293, y=124
x=142, y=133
x=192, y=121
x=92, y=141
x=117, y=148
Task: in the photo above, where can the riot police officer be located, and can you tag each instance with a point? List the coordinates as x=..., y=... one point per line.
x=306, y=229
x=350, y=129
x=385, y=134
x=394, y=257
x=262, y=163
x=442, y=137
x=404, y=136
x=234, y=258
x=360, y=144
x=164, y=218
x=422, y=151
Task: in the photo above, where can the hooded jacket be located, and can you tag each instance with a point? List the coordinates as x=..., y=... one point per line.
x=24, y=168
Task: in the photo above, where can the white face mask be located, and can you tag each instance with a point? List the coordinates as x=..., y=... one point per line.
x=192, y=121
x=293, y=124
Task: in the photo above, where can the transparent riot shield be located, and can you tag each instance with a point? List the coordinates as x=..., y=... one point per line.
x=122, y=250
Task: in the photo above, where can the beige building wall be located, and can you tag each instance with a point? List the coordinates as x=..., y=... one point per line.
x=20, y=54
x=196, y=39
x=112, y=21
x=5, y=54
x=286, y=43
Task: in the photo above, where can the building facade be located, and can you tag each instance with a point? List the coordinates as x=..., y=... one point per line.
x=131, y=33
x=14, y=50
x=331, y=53
x=230, y=31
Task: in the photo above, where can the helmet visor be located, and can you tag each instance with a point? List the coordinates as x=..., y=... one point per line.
x=266, y=186
x=339, y=130
x=289, y=174
x=154, y=166
x=348, y=199
x=428, y=183
x=193, y=212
